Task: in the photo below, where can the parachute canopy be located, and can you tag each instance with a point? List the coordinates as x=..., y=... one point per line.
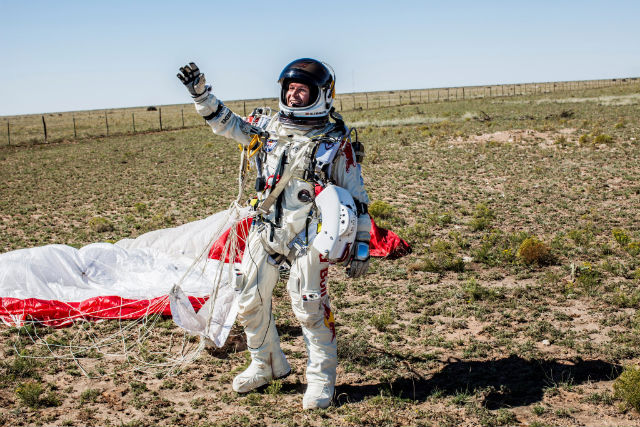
x=57, y=284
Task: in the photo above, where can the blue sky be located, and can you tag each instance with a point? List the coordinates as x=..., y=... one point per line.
x=76, y=55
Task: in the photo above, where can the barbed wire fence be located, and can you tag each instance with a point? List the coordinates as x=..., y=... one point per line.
x=56, y=127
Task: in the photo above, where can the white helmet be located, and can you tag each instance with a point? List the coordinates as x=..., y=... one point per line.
x=321, y=82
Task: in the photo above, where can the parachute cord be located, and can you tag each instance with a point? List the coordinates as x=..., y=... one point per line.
x=130, y=339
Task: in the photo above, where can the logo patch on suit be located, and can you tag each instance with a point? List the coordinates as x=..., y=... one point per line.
x=329, y=320
x=270, y=145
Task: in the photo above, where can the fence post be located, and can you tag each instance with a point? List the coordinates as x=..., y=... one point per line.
x=182, y=112
x=133, y=122
x=448, y=94
x=160, y=117
x=8, y=133
x=244, y=107
x=106, y=122
x=341, y=109
x=44, y=127
x=463, y=96
x=75, y=133
x=367, y=98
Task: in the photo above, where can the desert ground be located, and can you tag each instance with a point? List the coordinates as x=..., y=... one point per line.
x=519, y=304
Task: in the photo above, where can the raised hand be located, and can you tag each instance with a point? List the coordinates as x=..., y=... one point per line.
x=195, y=82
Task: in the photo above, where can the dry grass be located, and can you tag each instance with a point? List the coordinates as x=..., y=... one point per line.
x=498, y=341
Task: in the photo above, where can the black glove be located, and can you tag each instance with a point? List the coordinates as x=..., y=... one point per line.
x=359, y=263
x=195, y=82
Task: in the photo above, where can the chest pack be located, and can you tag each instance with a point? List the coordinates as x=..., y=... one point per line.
x=322, y=150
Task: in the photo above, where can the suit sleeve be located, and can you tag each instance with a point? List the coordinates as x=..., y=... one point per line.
x=225, y=122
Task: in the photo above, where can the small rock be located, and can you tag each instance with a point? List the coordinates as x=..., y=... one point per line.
x=546, y=342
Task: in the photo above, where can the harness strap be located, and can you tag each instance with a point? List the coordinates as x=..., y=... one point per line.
x=264, y=207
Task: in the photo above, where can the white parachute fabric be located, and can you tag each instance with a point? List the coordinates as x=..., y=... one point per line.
x=64, y=273
x=103, y=280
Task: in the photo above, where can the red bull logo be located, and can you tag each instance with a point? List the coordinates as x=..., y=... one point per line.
x=329, y=320
x=323, y=281
x=347, y=149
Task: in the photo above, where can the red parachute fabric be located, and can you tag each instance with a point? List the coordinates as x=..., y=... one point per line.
x=242, y=230
x=384, y=243
x=60, y=314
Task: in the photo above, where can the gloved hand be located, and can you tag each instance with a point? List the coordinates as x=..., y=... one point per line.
x=195, y=82
x=207, y=104
x=359, y=263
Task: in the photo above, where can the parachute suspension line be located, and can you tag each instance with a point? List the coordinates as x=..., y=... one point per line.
x=130, y=339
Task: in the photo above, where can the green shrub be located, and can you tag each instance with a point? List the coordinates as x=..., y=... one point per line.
x=627, y=387
x=380, y=209
x=138, y=387
x=22, y=367
x=482, y=217
x=441, y=257
x=381, y=321
x=30, y=393
x=100, y=225
x=588, y=278
x=474, y=291
x=581, y=236
x=141, y=208
x=626, y=299
x=603, y=139
x=633, y=248
x=621, y=236
x=274, y=387
x=89, y=395
x=498, y=248
x=533, y=251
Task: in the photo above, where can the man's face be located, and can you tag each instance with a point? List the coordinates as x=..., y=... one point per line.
x=297, y=95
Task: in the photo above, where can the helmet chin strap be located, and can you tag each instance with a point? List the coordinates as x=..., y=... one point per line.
x=289, y=118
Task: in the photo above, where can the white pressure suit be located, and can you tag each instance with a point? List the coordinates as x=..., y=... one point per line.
x=286, y=233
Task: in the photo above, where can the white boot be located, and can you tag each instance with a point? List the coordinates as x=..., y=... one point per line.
x=321, y=367
x=267, y=363
x=318, y=396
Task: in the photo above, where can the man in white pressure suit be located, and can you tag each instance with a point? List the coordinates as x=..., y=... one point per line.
x=311, y=211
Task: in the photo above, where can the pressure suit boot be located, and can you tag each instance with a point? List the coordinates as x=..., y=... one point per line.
x=321, y=367
x=268, y=362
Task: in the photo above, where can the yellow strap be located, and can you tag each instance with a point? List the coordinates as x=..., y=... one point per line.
x=252, y=148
